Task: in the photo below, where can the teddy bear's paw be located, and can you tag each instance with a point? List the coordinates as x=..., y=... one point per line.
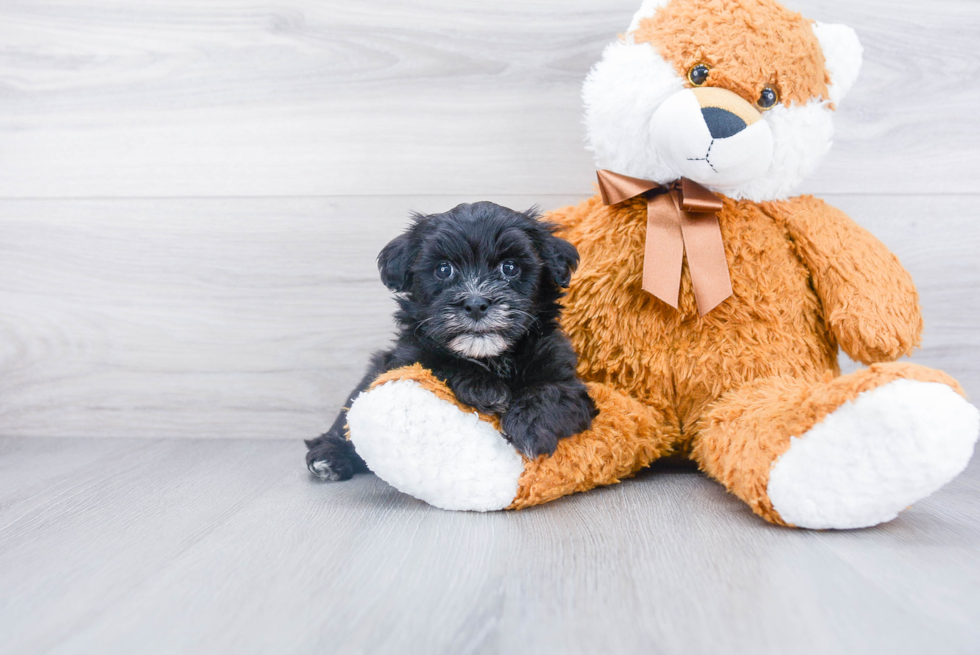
x=874, y=456
x=431, y=449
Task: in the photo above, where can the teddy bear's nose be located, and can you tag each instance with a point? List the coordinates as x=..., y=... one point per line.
x=721, y=122
x=724, y=112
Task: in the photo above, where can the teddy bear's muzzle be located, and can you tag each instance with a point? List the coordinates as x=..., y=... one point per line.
x=713, y=137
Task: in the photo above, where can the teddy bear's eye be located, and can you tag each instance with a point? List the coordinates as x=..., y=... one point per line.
x=768, y=98
x=698, y=74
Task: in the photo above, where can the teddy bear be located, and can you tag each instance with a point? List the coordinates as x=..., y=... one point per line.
x=710, y=302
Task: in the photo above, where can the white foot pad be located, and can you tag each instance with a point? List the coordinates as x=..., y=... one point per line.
x=873, y=457
x=430, y=449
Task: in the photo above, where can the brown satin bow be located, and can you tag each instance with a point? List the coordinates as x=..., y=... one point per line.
x=681, y=217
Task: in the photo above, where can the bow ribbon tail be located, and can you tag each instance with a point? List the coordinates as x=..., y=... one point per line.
x=706, y=260
x=704, y=245
x=663, y=255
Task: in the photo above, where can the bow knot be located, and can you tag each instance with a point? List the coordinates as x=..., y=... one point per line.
x=681, y=217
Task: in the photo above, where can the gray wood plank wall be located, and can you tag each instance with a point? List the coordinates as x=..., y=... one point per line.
x=192, y=192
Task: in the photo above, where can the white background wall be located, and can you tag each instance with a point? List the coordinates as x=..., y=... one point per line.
x=192, y=192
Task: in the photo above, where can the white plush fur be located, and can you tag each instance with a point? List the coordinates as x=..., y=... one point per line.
x=875, y=456
x=629, y=84
x=621, y=94
x=647, y=9
x=801, y=136
x=843, y=54
x=430, y=449
x=679, y=133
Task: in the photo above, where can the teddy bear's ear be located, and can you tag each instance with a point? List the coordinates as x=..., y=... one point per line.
x=647, y=9
x=842, y=51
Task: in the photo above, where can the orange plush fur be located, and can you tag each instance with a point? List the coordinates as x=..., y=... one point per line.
x=728, y=390
x=731, y=388
x=735, y=39
x=748, y=429
x=805, y=279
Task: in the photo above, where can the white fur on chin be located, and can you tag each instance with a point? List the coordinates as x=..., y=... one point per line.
x=478, y=346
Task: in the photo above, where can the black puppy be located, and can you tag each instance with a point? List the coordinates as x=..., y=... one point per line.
x=478, y=290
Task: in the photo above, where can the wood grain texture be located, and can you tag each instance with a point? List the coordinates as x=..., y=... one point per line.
x=206, y=546
x=255, y=317
x=231, y=98
x=203, y=187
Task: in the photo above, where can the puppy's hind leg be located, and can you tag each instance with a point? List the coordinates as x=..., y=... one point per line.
x=331, y=456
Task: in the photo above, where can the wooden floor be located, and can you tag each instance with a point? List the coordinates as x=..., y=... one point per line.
x=224, y=545
x=192, y=194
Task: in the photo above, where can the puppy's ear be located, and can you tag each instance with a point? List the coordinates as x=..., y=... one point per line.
x=396, y=259
x=559, y=256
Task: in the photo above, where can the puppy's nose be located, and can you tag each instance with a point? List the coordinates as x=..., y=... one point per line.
x=476, y=307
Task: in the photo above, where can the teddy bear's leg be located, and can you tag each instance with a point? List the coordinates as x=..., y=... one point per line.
x=413, y=434
x=846, y=452
x=625, y=437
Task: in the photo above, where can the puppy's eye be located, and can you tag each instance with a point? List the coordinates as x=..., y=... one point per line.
x=444, y=271
x=509, y=268
x=698, y=74
x=767, y=99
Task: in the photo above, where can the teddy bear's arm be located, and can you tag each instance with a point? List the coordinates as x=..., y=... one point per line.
x=869, y=300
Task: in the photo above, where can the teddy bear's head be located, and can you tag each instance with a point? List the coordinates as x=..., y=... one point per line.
x=737, y=95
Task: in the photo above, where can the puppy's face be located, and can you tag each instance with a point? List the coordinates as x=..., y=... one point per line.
x=476, y=278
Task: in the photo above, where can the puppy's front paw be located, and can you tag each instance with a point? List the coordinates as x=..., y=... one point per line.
x=332, y=459
x=539, y=418
x=529, y=430
x=487, y=396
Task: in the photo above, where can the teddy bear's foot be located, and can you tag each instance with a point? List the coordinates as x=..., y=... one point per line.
x=873, y=457
x=424, y=444
x=846, y=452
x=413, y=433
